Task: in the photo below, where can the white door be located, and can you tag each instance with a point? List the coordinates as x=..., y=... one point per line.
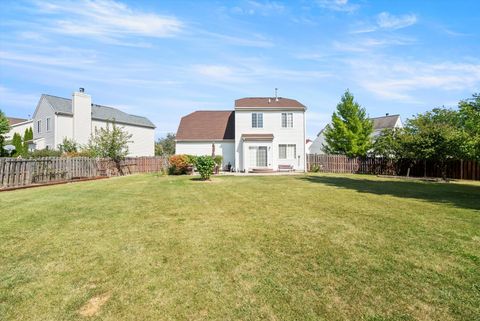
x=258, y=156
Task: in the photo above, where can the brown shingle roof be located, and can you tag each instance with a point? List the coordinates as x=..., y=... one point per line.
x=266, y=102
x=14, y=120
x=207, y=125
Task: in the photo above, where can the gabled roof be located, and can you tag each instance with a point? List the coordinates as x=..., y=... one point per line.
x=207, y=125
x=14, y=120
x=64, y=106
x=268, y=102
x=383, y=122
x=379, y=123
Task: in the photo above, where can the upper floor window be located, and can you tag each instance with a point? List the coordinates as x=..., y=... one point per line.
x=39, y=126
x=257, y=120
x=287, y=120
x=48, y=124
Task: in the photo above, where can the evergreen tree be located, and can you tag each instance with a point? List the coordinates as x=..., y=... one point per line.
x=17, y=142
x=4, y=128
x=27, y=136
x=350, y=131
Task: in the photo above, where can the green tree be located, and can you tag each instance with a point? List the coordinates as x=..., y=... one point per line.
x=436, y=136
x=350, y=130
x=68, y=146
x=469, y=120
x=18, y=143
x=4, y=128
x=110, y=143
x=27, y=136
x=166, y=145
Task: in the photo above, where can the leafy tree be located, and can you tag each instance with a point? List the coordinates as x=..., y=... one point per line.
x=18, y=143
x=350, y=131
x=27, y=136
x=68, y=146
x=4, y=128
x=436, y=136
x=205, y=166
x=166, y=145
x=469, y=120
x=110, y=143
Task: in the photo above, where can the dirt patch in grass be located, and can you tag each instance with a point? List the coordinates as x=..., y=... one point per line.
x=93, y=306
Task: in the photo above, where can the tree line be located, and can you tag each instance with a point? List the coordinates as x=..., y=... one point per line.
x=439, y=135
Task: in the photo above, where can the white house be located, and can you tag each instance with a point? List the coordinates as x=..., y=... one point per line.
x=379, y=124
x=56, y=118
x=261, y=133
x=17, y=126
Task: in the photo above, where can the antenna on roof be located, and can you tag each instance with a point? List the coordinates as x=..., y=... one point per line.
x=276, y=92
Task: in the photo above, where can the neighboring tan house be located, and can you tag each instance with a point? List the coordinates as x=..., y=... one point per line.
x=17, y=126
x=56, y=118
x=379, y=124
x=262, y=133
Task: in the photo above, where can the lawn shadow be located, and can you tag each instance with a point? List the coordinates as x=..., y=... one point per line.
x=462, y=196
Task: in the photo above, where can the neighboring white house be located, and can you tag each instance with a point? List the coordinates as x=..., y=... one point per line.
x=17, y=126
x=261, y=133
x=379, y=124
x=56, y=118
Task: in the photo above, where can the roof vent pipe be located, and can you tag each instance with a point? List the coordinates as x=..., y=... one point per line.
x=387, y=114
x=269, y=100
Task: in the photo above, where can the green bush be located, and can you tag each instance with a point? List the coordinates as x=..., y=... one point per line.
x=315, y=168
x=205, y=166
x=44, y=153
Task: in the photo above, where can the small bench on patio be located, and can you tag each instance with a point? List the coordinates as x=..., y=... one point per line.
x=287, y=168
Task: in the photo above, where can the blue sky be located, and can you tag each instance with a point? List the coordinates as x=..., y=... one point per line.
x=164, y=59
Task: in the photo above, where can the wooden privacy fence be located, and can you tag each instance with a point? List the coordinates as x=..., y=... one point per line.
x=15, y=172
x=459, y=169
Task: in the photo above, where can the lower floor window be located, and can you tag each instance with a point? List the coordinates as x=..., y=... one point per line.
x=287, y=151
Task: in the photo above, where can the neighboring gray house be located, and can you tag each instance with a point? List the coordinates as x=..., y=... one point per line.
x=379, y=124
x=56, y=118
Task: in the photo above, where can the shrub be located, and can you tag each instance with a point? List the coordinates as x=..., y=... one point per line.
x=68, y=146
x=218, y=160
x=315, y=168
x=44, y=153
x=205, y=165
x=179, y=164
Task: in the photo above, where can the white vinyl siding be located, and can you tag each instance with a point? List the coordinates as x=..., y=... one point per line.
x=287, y=151
x=257, y=120
x=287, y=120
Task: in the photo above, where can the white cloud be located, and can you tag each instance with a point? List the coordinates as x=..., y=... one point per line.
x=368, y=44
x=107, y=19
x=338, y=5
x=11, y=98
x=402, y=80
x=386, y=20
x=264, y=8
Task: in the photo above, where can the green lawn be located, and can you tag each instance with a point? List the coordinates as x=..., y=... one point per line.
x=314, y=247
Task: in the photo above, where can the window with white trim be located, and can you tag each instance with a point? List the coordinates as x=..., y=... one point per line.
x=287, y=120
x=48, y=124
x=287, y=151
x=39, y=126
x=257, y=120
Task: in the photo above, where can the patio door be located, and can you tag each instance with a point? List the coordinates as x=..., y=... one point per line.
x=258, y=156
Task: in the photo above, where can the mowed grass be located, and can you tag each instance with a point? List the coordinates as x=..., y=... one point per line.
x=307, y=247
